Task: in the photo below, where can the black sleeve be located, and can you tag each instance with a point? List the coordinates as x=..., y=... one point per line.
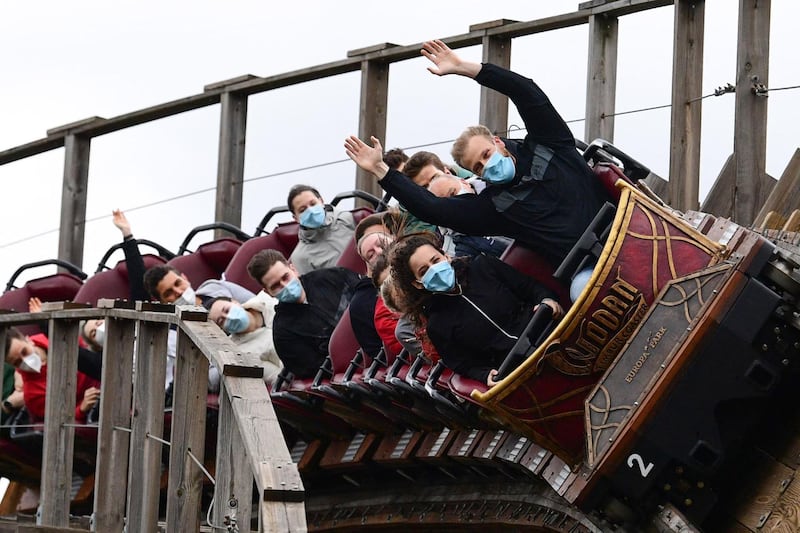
x=362, y=317
x=90, y=363
x=525, y=287
x=135, y=263
x=458, y=358
x=543, y=122
x=473, y=214
x=300, y=354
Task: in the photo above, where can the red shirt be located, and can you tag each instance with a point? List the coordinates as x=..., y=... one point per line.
x=34, y=386
x=385, y=324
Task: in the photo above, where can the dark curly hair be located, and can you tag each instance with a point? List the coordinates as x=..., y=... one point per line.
x=403, y=278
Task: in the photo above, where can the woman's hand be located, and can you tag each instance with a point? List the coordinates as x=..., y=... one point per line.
x=490, y=378
x=446, y=61
x=369, y=158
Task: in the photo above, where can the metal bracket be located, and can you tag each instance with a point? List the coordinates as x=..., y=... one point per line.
x=759, y=89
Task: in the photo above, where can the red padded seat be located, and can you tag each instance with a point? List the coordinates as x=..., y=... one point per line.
x=112, y=283
x=209, y=261
x=534, y=265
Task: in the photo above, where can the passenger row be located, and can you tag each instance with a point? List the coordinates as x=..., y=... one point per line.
x=438, y=312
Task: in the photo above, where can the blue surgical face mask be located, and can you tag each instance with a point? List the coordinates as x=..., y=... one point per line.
x=291, y=292
x=313, y=217
x=499, y=169
x=440, y=277
x=237, y=321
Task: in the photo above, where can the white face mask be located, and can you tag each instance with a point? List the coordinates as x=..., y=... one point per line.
x=31, y=363
x=187, y=298
x=465, y=189
x=100, y=334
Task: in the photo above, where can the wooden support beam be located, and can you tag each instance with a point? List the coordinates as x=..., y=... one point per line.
x=59, y=435
x=750, y=122
x=687, y=87
x=785, y=196
x=234, y=489
x=493, y=105
x=230, y=165
x=115, y=412
x=188, y=436
x=73, y=199
x=601, y=79
x=372, y=114
x=148, y=419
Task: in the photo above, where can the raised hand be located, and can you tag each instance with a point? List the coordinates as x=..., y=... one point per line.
x=121, y=222
x=446, y=61
x=34, y=304
x=369, y=158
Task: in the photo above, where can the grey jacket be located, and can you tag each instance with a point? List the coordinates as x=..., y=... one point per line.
x=322, y=247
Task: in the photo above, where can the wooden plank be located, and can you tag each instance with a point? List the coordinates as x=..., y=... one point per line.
x=233, y=491
x=24, y=528
x=785, y=515
x=372, y=114
x=687, y=88
x=188, y=435
x=73, y=199
x=494, y=105
x=148, y=419
x=369, y=49
x=785, y=196
x=230, y=160
x=67, y=128
x=719, y=199
x=32, y=148
x=601, y=78
x=270, y=459
x=793, y=222
x=658, y=185
x=773, y=220
x=62, y=370
x=760, y=490
x=220, y=350
x=750, y=121
x=115, y=412
x=290, y=517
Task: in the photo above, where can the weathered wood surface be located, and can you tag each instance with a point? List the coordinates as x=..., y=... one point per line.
x=233, y=490
x=720, y=199
x=115, y=412
x=188, y=436
x=148, y=419
x=750, y=121
x=219, y=349
x=785, y=196
x=494, y=106
x=601, y=79
x=230, y=160
x=687, y=86
x=59, y=435
x=372, y=114
x=74, y=191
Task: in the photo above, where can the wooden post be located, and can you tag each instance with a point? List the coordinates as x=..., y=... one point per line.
x=372, y=115
x=687, y=86
x=750, y=122
x=234, y=489
x=148, y=419
x=59, y=435
x=601, y=79
x=496, y=50
x=230, y=166
x=73, y=199
x=115, y=412
x=785, y=196
x=188, y=436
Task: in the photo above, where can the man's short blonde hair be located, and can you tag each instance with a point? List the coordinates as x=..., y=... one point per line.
x=461, y=143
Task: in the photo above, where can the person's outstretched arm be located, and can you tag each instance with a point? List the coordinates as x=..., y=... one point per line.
x=133, y=258
x=468, y=213
x=541, y=119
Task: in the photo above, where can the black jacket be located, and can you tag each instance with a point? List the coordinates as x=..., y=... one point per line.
x=468, y=342
x=551, y=200
x=301, y=331
x=362, y=317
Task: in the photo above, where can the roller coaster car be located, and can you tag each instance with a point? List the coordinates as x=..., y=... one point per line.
x=650, y=383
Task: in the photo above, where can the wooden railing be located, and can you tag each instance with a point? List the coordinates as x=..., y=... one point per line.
x=130, y=440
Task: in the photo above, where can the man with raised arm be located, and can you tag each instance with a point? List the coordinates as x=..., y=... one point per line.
x=539, y=189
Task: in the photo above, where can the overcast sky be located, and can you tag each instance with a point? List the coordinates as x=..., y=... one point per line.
x=65, y=61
